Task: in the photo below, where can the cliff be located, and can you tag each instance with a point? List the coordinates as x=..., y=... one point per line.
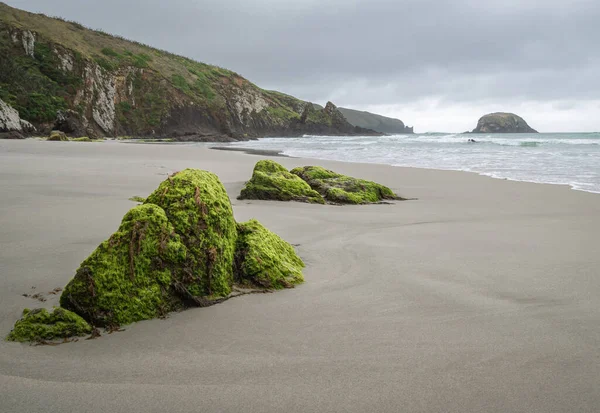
x=60, y=75
x=375, y=122
x=502, y=123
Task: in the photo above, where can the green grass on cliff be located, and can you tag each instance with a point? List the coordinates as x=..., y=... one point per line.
x=197, y=80
x=38, y=88
x=97, y=45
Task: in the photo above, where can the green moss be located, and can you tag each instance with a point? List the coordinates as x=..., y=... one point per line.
x=264, y=259
x=271, y=181
x=197, y=205
x=57, y=136
x=343, y=189
x=136, y=198
x=83, y=139
x=40, y=325
x=129, y=276
x=180, y=248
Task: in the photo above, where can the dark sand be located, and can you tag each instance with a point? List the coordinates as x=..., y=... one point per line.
x=481, y=296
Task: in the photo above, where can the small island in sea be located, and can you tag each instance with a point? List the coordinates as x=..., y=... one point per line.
x=501, y=122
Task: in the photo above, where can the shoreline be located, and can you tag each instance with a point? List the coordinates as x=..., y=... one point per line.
x=281, y=153
x=544, y=179
x=469, y=299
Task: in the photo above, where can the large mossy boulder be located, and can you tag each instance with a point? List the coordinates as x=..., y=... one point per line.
x=179, y=249
x=341, y=189
x=130, y=276
x=174, y=251
x=40, y=325
x=271, y=181
x=263, y=259
x=198, y=206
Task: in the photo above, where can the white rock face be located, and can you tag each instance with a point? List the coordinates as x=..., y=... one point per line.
x=11, y=121
x=246, y=101
x=26, y=126
x=9, y=118
x=66, y=61
x=28, y=40
x=103, y=111
x=98, y=94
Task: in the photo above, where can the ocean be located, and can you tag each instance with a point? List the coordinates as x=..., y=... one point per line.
x=552, y=158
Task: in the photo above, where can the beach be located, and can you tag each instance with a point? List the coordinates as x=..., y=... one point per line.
x=481, y=295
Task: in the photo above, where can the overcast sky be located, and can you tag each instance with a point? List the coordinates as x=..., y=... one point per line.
x=438, y=65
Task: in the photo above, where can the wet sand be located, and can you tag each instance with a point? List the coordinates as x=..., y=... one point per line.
x=480, y=296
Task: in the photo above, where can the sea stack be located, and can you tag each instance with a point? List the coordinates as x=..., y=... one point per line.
x=501, y=122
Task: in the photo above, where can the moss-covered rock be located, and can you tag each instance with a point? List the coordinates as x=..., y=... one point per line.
x=40, y=325
x=181, y=248
x=57, y=136
x=264, y=259
x=129, y=276
x=137, y=198
x=271, y=181
x=199, y=208
x=342, y=189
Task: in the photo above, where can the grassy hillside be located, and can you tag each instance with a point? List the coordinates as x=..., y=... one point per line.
x=102, y=84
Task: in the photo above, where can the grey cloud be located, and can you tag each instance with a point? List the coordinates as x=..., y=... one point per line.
x=372, y=52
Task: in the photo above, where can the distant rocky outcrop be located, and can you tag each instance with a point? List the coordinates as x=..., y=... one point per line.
x=375, y=122
x=501, y=122
x=59, y=75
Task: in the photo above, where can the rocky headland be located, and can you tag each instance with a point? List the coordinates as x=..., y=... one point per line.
x=60, y=75
x=376, y=122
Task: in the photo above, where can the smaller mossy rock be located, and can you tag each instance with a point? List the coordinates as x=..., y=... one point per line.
x=342, y=189
x=40, y=325
x=83, y=139
x=198, y=206
x=271, y=181
x=130, y=276
x=58, y=136
x=264, y=259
